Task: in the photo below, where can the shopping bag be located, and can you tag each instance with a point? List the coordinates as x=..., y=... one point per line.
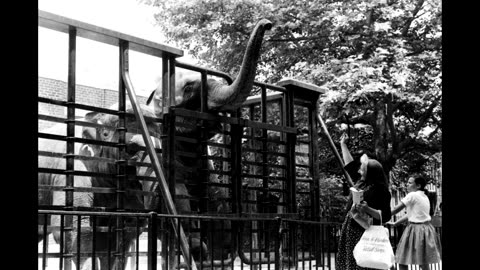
x=374, y=249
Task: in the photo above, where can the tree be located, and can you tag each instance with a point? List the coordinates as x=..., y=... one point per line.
x=380, y=61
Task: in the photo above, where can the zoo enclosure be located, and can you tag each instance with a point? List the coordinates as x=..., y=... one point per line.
x=265, y=168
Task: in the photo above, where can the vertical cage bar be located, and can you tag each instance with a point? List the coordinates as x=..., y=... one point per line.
x=171, y=70
x=122, y=106
x=178, y=248
x=236, y=167
x=152, y=242
x=212, y=245
x=70, y=117
x=202, y=236
x=203, y=92
x=322, y=244
x=165, y=84
x=290, y=175
x=93, y=218
x=190, y=242
x=109, y=243
x=267, y=242
x=203, y=202
x=251, y=240
x=166, y=241
x=265, y=207
x=302, y=242
x=315, y=245
x=290, y=155
x=265, y=172
x=222, y=230
x=72, y=47
x=61, y=244
x=45, y=239
x=121, y=163
x=315, y=165
x=137, y=243
x=79, y=232
x=329, y=237
x=168, y=144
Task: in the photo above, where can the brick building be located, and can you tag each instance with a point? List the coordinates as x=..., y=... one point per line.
x=57, y=89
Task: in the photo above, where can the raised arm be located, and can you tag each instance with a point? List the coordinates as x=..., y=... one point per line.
x=347, y=157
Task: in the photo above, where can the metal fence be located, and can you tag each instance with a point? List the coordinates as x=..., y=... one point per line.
x=251, y=242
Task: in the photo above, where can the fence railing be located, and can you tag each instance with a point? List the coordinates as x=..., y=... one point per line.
x=221, y=242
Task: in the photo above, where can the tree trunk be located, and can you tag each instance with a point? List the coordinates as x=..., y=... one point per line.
x=380, y=136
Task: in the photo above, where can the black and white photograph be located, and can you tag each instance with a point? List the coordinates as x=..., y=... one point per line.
x=239, y=134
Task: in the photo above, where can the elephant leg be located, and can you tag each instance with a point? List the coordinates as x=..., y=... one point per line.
x=170, y=241
x=128, y=242
x=83, y=264
x=79, y=199
x=103, y=262
x=190, y=227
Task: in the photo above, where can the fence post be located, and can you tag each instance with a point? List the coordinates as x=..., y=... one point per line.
x=70, y=150
x=152, y=241
x=278, y=246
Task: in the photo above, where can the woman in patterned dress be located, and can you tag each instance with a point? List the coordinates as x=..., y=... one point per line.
x=377, y=196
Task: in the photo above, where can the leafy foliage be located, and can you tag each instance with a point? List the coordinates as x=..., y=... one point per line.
x=379, y=60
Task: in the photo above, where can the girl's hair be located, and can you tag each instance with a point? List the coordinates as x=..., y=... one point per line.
x=420, y=180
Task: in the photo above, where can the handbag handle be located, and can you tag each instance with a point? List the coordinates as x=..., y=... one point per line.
x=380, y=212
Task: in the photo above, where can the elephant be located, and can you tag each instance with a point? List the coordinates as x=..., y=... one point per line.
x=55, y=160
x=221, y=98
x=106, y=130
x=52, y=157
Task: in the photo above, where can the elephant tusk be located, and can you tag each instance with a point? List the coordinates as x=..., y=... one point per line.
x=154, y=141
x=88, y=149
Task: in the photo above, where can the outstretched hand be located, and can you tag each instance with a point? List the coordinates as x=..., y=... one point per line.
x=391, y=223
x=343, y=138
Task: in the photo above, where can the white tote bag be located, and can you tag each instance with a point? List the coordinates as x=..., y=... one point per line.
x=374, y=250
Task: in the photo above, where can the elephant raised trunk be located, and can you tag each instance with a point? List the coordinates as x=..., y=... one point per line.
x=223, y=97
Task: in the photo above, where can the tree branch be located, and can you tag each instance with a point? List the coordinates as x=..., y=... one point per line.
x=410, y=145
x=296, y=39
x=367, y=119
x=393, y=132
x=409, y=21
x=423, y=49
x=291, y=16
x=435, y=131
x=423, y=119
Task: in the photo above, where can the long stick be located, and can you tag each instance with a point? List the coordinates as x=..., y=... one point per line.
x=334, y=149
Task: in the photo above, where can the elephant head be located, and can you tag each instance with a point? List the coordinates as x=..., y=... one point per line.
x=220, y=97
x=108, y=132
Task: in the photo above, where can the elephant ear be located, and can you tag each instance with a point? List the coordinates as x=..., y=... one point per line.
x=90, y=132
